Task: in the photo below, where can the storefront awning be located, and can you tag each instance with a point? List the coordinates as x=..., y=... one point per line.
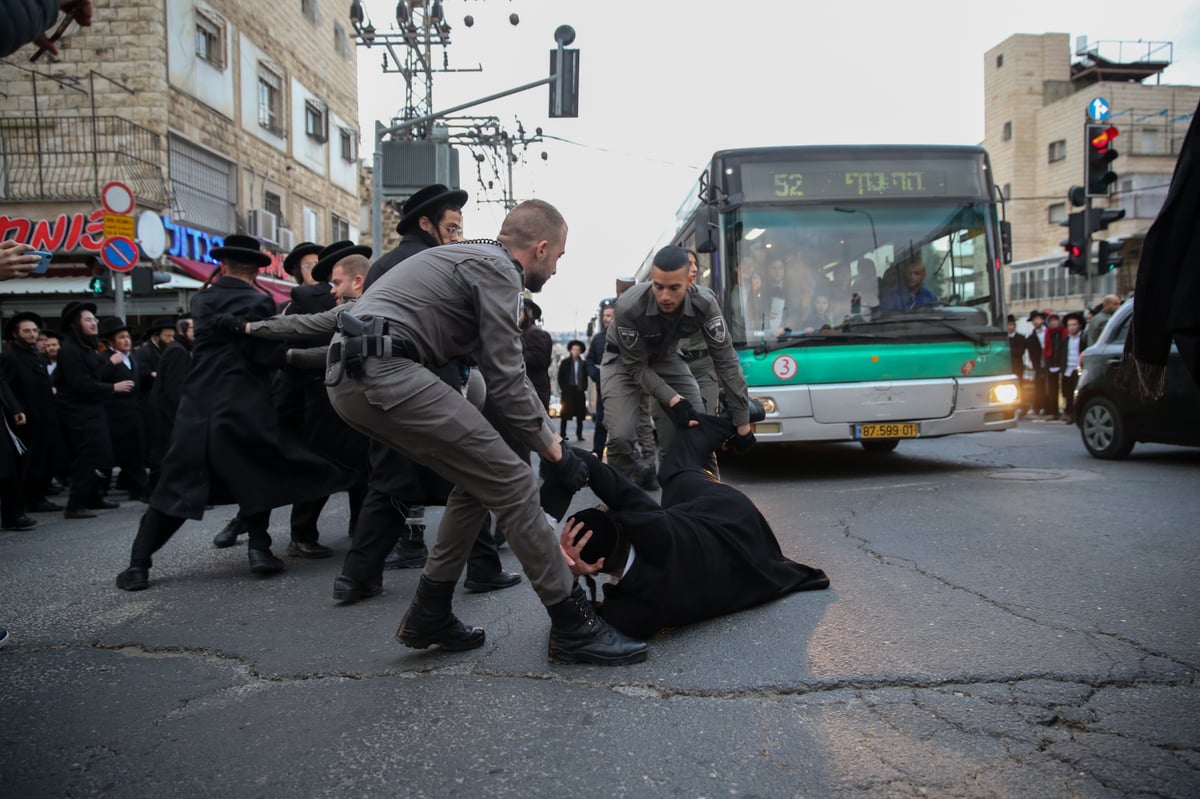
x=79, y=285
x=279, y=290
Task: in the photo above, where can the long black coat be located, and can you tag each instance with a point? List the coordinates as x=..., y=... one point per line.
x=82, y=392
x=227, y=446
x=30, y=381
x=574, y=397
x=173, y=369
x=539, y=351
x=126, y=415
x=710, y=554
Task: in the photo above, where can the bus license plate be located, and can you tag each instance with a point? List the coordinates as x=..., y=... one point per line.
x=887, y=430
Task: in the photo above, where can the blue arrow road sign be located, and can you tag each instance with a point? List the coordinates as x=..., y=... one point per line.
x=1098, y=109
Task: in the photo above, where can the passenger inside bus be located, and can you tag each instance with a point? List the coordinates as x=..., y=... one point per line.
x=865, y=287
x=904, y=286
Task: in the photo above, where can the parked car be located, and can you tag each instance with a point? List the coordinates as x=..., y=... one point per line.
x=1110, y=415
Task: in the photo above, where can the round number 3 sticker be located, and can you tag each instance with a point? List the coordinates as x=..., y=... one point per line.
x=784, y=367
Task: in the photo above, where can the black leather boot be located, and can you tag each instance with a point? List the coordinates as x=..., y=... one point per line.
x=430, y=621
x=578, y=635
x=410, y=551
x=229, y=533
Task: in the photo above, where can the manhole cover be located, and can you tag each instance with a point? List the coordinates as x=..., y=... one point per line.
x=1026, y=474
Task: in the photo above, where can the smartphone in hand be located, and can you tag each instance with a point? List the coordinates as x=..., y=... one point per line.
x=43, y=264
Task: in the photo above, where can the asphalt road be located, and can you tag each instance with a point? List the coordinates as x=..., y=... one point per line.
x=1008, y=617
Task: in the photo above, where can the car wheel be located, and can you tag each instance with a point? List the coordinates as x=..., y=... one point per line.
x=880, y=444
x=1103, y=430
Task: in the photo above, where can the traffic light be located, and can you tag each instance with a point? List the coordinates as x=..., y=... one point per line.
x=1098, y=176
x=564, y=89
x=1108, y=257
x=1101, y=218
x=145, y=278
x=1075, y=244
x=101, y=283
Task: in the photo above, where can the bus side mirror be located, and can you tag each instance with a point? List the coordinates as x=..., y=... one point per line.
x=706, y=229
x=1006, y=241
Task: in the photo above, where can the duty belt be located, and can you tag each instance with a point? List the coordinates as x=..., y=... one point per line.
x=362, y=339
x=693, y=355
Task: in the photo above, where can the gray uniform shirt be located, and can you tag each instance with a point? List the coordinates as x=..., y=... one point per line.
x=285, y=327
x=460, y=300
x=643, y=333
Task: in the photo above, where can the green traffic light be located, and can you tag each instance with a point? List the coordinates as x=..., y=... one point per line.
x=96, y=285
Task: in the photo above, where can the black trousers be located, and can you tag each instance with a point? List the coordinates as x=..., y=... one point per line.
x=687, y=468
x=156, y=529
x=305, y=514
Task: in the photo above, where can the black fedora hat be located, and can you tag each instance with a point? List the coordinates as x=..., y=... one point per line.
x=425, y=201
x=111, y=326
x=291, y=264
x=73, y=309
x=331, y=254
x=242, y=250
x=534, y=310
x=159, y=324
x=573, y=342
x=10, y=326
x=1034, y=313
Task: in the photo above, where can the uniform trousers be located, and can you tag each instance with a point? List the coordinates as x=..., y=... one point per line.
x=710, y=385
x=408, y=407
x=623, y=404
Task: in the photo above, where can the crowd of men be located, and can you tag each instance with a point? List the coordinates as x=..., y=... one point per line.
x=404, y=383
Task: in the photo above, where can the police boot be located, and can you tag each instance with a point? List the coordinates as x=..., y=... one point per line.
x=578, y=635
x=430, y=621
x=410, y=551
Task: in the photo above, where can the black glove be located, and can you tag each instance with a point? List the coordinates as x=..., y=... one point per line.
x=742, y=443
x=682, y=413
x=228, y=324
x=569, y=471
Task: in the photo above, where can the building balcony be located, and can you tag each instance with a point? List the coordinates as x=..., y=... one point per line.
x=70, y=158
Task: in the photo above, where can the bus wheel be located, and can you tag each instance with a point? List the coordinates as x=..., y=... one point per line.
x=880, y=444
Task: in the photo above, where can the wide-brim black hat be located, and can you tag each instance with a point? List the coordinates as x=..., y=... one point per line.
x=242, y=250
x=111, y=326
x=73, y=309
x=605, y=537
x=535, y=310
x=573, y=342
x=425, y=201
x=10, y=326
x=1035, y=313
x=160, y=324
x=291, y=264
x=1076, y=315
x=331, y=254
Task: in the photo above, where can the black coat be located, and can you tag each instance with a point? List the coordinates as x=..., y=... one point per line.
x=30, y=381
x=80, y=401
x=126, y=417
x=10, y=458
x=173, y=369
x=539, y=351
x=227, y=446
x=709, y=555
x=574, y=397
x=1034, y=348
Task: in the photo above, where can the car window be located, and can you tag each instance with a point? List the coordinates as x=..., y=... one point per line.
x=1118, y=334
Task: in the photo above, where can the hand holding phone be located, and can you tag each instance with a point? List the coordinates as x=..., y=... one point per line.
x=18, y=259
x=43, y=264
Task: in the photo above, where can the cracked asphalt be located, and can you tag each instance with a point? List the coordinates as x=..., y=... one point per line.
x=1008, y=617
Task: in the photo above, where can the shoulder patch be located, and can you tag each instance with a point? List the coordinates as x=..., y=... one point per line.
x=716, y=329
x=629, y=335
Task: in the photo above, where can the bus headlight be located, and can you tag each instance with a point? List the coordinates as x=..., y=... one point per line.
x=1005, y=393
x=767, y=403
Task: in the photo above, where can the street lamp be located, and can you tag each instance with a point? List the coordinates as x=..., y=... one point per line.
x=871, y=219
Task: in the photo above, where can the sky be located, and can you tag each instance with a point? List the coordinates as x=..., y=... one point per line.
x=666, y=83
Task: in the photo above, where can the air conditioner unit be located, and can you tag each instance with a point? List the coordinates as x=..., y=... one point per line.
x=287, y=239
x=262, y=224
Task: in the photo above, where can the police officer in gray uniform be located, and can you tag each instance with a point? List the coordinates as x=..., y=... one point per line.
x=449, y=302
x=694, y=350
x=642, y=354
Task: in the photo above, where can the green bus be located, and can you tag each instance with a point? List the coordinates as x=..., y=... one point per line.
x=861, y=285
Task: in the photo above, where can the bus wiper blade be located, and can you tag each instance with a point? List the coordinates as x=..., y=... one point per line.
x=941, y=320
x=792, y=339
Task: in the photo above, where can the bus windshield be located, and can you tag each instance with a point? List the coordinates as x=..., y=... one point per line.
x=821, y=273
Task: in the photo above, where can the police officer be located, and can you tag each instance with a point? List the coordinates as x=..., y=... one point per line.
x=643, y=355
x=450, y=302
x=694, y=350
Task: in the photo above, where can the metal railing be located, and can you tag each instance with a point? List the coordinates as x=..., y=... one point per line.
x=72, y=157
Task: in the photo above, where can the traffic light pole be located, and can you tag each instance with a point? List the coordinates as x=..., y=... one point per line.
x=1087, y=254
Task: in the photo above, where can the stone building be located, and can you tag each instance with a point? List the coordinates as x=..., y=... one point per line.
x=1037, y=94
x=219, y=116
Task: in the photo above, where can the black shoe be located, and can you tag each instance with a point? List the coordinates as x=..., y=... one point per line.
x=406, y=556
x=264, y=563
x=491, y=582
x=78, y=513
x=134, y=578
x=229, y=533
x=45, y=506
x=20, y=523
x=347, y=589
x=578, y=635
x=302, y=549
x=816, y=581
x=429, y=620
x=103, y=504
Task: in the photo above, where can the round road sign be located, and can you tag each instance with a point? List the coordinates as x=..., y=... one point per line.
x=117, y=198
x=151, y=234
x=120, y=253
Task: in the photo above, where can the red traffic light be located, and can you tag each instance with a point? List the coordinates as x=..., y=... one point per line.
x=1103, y=139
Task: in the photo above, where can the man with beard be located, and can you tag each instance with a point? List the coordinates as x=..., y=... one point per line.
x=452, y=302
x=29, y=379
x=227, y=446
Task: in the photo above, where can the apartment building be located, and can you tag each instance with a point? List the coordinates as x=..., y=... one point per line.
x=1037, y=91
x=219, y=117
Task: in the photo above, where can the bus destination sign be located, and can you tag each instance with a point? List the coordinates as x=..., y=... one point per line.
x=821, y=182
